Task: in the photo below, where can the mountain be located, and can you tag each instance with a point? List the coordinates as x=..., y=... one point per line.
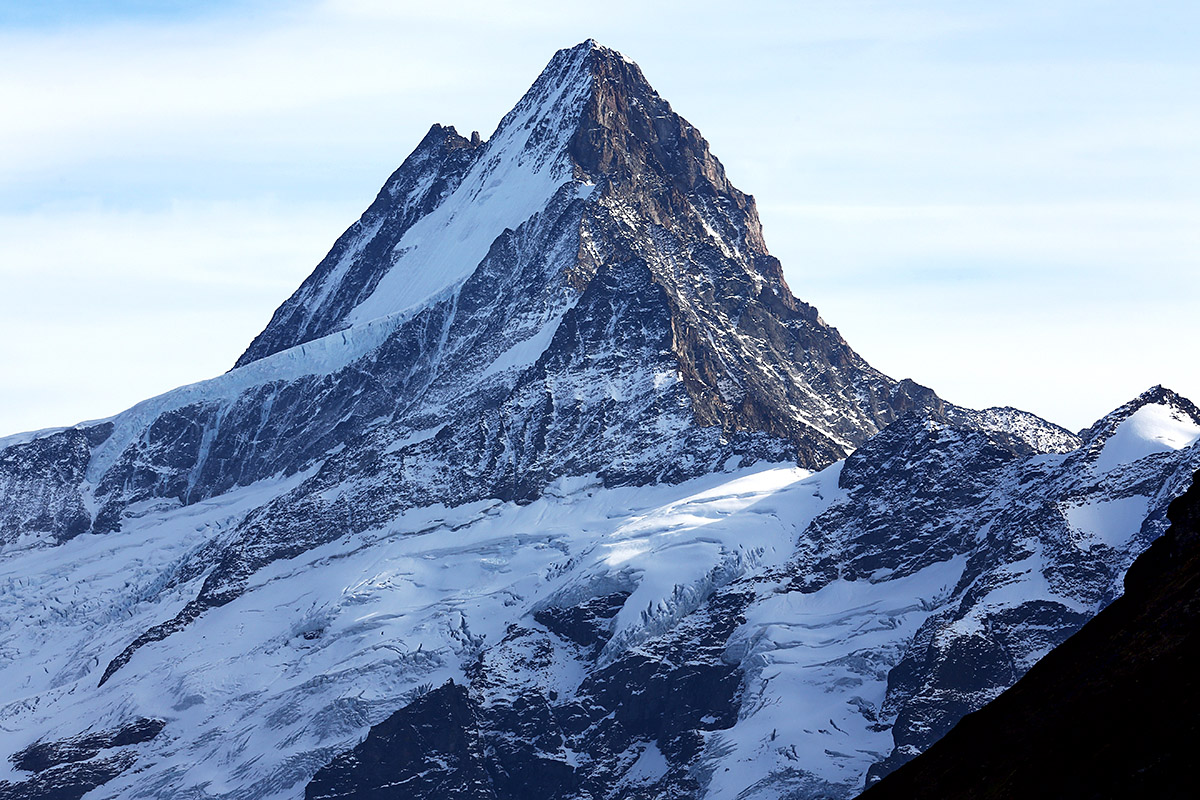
x=544, y=485
x=1113, y=712
x=589, y=267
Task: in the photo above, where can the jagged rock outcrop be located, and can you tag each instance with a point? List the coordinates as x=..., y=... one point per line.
x=1035, y=515
x=636, y=727
x=69, y=769
x=426, y=751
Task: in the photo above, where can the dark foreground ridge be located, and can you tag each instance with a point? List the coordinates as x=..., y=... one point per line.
x=1112, y=712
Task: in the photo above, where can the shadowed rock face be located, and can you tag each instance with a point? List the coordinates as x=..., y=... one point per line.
x=1114, y=711
x=428, y=751
x=40, y=482
x=499, y=739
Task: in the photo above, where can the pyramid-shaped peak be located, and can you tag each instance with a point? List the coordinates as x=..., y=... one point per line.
x=590, y=119
x=589, y=69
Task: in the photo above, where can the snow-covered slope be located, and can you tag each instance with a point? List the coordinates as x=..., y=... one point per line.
x=1162, y=427
x=846, y=627
x=548, y=424
x=845, y=604
x=261, y=692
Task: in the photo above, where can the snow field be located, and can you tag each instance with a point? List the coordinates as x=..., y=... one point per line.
x=259, y=693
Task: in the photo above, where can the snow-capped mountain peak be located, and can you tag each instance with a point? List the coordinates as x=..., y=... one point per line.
x=440, y=212
x=547, y=430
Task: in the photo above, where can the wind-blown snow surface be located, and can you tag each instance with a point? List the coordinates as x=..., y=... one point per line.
x=1150, y=429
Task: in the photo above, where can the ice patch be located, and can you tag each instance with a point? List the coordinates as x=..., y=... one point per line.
x=415, y=437
x=526, y=352
x=828, y=653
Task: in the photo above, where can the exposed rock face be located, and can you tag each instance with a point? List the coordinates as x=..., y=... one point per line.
x=40, y=481
x=69, y=769
x=636, y=727
x=530, y=435
x=44, y=755
x=427, y=751
x=1113, y=712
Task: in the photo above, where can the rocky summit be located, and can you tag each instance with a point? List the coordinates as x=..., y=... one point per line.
x=544, y=485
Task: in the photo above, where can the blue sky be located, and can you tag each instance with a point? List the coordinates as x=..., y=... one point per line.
x=1001, y=201
x=60, y=14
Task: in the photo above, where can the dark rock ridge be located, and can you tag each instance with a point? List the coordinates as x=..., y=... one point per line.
x=67, y=782
x=42, y=483
x=44, y=755
x=429, y=750
x=69, y=769
x=1112, y=712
